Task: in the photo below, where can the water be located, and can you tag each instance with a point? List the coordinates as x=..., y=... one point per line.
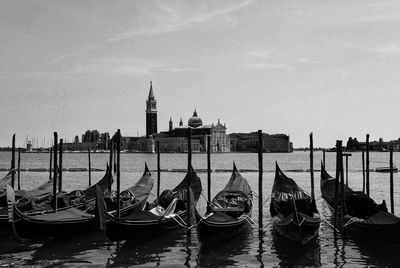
x=177, y=248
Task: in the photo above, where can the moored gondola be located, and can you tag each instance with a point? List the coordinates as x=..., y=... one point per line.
x=294, y=213
x=229, y=212
x=72, y=220
x=167, y=212
x=363, y=218
x=25, y=200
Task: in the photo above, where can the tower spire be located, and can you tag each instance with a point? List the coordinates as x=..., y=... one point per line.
x=151, y=93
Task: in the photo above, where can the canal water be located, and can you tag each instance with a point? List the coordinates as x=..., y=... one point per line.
x=178, y=249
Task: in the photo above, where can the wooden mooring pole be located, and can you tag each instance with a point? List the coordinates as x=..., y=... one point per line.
x=342, y=192
x=367, y=166
x=391, y=182
x=60, y=167
x=13, y=162
x=260, y=180
x=55, y=171
x=189, y=138
x=158, y=168
x=90, y=167
x=209, y=169
x=363, y=170
x=338, y=152
x=19, y=168
x=111, y=147
x=51, y=162
x=323, y=157
x=118, y=173
x=312, y=165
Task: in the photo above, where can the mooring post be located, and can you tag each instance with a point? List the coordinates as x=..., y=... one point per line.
x=55, y=171
x=51, y=162
x=338, y=152
x=391, y=182
x=209, y=169
x=363, y=169
x=312, y=166
x=111, y=147
x=189, y=137
x=13, y=162
x=367, y=166
x=90, y=167
x=260, y=180
x=19, y=168
x=118, y=172
x=347, y=169
x=342, y=191
x=60, y=166
x=323, y=157
x=158, y=168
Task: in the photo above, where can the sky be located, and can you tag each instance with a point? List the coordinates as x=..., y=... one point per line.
x=290, y=66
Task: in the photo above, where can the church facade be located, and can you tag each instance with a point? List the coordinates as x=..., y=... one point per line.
x=175, y=139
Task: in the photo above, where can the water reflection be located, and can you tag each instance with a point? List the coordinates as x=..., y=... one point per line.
x=72, y=250
x=293, y=254
x=152, y=251
x=226, y=252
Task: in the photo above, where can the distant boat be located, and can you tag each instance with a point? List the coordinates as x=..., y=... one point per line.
x=386, y=169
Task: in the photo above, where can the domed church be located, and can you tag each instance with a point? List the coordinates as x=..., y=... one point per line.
x=175, y=139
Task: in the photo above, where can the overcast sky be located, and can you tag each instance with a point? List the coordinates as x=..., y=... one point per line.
x=331, y=67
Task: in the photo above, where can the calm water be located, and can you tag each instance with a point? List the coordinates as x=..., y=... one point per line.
x=180, y=249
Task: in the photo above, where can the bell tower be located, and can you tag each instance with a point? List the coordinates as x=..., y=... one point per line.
x=151, y=113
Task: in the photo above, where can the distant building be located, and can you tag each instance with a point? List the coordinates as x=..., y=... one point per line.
x=175, y=139
x=248, y=142
x=151, y=113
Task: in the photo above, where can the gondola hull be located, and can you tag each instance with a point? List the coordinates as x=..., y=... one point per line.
x=210, y=231
x=123, y=229
x=371, y=230
x=302, y=232
x=27, y=227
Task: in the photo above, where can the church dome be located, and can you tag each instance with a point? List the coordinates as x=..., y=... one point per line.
x=195, y=121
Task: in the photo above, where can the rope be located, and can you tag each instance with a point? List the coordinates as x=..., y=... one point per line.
x=266, y=225
x=248, y=219
x=326, y=221
x=205, y=198
x=351, y=221
x=268, y=198
x=254, y=193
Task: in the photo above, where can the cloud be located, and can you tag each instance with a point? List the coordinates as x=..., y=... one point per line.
x=268, y=59
x=125, y=66
x=261, y=66
x=172, y=19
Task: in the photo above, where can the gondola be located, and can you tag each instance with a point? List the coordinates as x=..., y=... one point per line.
x=363, y=218
x=167, y=212
x=134, y=198
x=49, y=223
x=229, y=212
x=24, y=199
x=294, y=213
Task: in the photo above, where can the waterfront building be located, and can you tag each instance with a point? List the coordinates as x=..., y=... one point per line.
x=248, y=142
x=175, y=139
